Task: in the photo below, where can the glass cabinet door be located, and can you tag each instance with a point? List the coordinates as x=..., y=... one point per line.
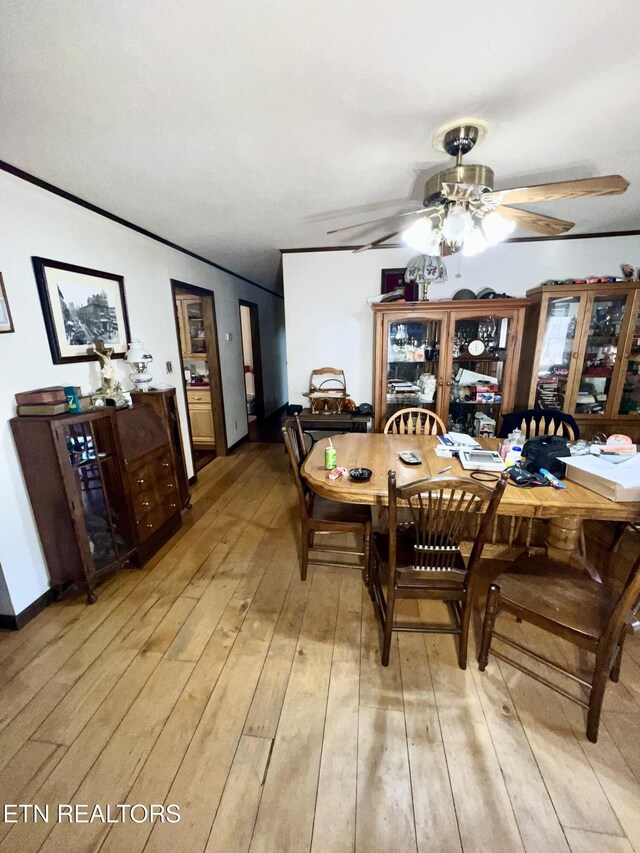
x=195, y=326
x=630, y=397
x=558, y=342
x=598, y=356
x=413, y=359
x=478, y=374
x=102, y=508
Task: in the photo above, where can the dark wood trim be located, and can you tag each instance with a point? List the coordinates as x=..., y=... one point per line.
x=254, y=319
x=591, y=236
x=237, y=444
x=193, y=479
x=213, y=360
x=14, y=623
x=74, y=199
x=183, y=383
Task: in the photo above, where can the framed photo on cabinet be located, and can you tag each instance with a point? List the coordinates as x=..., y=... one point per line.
x=6, y=323
x=80, y=306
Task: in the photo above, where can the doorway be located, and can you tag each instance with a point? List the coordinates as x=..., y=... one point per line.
x=195, y=314
x=252, y=360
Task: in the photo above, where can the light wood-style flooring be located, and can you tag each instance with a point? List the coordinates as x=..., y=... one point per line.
x=216, y=680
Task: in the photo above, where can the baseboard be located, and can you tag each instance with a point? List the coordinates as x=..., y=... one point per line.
x=14, y=623
x=279, y=411
x=235, y=446
x=193, y=479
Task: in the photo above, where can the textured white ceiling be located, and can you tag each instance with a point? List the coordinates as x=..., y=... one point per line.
x=236, y=128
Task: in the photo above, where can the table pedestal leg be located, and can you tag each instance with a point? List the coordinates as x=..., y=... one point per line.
x=563, y=538
x=563, y=543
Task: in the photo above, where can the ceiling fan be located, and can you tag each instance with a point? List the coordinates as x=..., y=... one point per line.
x=462, y=210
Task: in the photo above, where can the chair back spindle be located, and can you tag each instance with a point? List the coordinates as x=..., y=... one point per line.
x=415, y=422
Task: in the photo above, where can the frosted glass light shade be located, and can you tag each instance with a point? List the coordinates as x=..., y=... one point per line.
x=474, y=243
x=457, y=225
x=496, y=227
x=417, y=235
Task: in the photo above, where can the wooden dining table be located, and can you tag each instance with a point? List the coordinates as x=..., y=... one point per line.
x=564, y=509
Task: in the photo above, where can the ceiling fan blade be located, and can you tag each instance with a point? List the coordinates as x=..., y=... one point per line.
x=547, y=225
x=375, y=243
x=604, y=185
x=373, y=221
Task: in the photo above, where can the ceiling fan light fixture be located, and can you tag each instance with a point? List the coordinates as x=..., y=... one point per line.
x=474, y=243
x=418, y=235
x=457, y=224
x=496, y=228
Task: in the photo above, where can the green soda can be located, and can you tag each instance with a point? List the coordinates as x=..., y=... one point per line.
x=329, y=458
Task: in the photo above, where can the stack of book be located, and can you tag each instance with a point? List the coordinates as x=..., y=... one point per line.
x=43, y=401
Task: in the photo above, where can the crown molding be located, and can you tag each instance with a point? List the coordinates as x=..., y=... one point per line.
x=74, y=199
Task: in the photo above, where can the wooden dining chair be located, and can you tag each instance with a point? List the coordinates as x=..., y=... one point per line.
x=415, y=422
x=533, y=422
x=569, y=605
x=423, y=558
x=319, y=516
x=294, y=430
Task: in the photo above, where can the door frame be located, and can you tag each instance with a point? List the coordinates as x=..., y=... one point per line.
x=213, y=361
x=256, y=350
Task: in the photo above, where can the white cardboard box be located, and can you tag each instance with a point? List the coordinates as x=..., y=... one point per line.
x=619, y=481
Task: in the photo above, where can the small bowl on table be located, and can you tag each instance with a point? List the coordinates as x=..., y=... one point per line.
x=360, y=475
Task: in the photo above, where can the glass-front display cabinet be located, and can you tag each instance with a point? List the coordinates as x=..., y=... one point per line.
x=456, y=358
x=71, y=466
x=581, y=354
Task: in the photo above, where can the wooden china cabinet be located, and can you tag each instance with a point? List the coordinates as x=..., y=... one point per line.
x=456, y=342
x=191, y=322
x=581, y=354
x=103, y=488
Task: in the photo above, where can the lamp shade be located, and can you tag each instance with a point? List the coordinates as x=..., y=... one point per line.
x=496, y=227
x=417, y=235
x=457, y=225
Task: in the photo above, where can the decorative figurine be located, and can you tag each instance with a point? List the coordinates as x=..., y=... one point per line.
x=111, y=388
x=427, y=384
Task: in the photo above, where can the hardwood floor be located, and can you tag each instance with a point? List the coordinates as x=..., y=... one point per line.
x=216, y=680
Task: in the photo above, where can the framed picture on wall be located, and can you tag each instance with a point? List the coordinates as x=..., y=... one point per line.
x=80, y=306
x=393, y=279
x=6, y=323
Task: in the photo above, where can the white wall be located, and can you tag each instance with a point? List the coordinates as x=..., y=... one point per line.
x=329, y=323
x=35, y=222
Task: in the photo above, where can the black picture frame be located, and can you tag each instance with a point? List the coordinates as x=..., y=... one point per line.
x=72, y=329
x=391, y=279
x=6, y=321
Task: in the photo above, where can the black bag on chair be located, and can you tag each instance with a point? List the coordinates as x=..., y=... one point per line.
x=546, y=451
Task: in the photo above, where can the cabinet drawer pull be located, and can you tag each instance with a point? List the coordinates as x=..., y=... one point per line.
x=140, y=481
x=149, y=524
x=173, y=505
x=169, y=486
x=165, y=464
x=145, y=503
x=197, y=398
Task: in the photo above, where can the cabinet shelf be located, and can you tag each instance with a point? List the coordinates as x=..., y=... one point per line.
x=491, y=359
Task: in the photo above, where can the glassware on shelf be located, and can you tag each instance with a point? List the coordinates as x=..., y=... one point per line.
x=600, y=354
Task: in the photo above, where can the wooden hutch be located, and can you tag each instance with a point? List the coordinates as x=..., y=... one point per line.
x=581, y=354
x=454, y=341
